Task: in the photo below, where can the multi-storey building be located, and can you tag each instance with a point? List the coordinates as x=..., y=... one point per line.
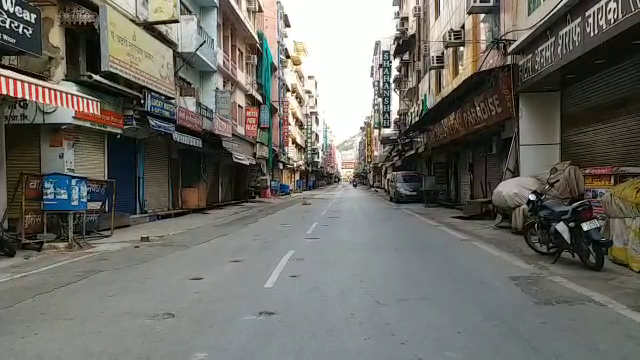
x=173, y=123
x=297, y=100
x=459, y=100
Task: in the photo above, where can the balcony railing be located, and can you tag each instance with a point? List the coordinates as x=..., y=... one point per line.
x=192, y=35
x=204, y=110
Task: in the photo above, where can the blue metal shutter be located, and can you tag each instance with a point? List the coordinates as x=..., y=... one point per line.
x=122, y=168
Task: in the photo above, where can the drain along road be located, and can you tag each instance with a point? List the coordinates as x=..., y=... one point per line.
x=350, y=276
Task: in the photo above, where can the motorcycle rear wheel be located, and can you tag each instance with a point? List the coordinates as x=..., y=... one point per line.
x=7, y=248
x=530, y=232
x=595, y=262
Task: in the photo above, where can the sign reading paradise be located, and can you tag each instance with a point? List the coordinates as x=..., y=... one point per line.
x=129, y=51
x=386, y=89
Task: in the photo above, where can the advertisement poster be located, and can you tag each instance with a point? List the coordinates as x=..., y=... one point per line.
x=223, y=103
x=251, y=126
x=129, y=51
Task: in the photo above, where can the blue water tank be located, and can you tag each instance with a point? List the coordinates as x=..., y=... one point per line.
x=62, y=192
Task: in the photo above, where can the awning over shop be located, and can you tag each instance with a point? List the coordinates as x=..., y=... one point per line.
x=243, y=159
x=24, y=87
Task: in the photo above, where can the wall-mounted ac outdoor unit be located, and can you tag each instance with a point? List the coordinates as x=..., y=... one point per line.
x=401, y=25
x=396, y=15
x=417, y=11
x=436, y=62
x=425, y=48
x=453, y=38
x=251, y=59
x=481, y=6
x=252, y=5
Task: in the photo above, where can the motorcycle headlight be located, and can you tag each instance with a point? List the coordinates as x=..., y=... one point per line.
x=533, y=197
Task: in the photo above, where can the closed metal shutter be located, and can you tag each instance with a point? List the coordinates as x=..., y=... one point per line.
x=89, y=152
x=600, y=117
x=156, y=174
x=609, y=87
x=122, y=168
x=605, y=140
x=494, y=171
x=465, y=176
x=479, y=179
x=23, y=156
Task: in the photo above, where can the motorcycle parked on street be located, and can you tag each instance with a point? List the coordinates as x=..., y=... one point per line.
x=559, y=228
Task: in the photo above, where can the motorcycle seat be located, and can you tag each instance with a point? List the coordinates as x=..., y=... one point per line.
x=557, y=208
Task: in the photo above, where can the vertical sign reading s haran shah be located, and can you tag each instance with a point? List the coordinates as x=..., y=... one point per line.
x=386, y=89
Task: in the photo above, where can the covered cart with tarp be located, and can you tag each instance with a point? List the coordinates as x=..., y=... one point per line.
x=621, y=204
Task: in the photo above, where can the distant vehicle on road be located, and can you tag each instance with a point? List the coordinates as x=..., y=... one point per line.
x=405, y=186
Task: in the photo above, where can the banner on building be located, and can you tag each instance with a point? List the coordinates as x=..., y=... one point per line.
x=106, y=117
x=187, y=139
x=189, y=119
x=151, y=64
x=369, y=134
x=22, y=28
x=222, y=127
x=386, y=89
x=158, y=11
x=264, y=116
x=158, y=105
x=223, y=103
x=161, y=126
x=251, y=125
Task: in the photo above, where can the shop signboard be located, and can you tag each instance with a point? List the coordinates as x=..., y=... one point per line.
x=187, y=139
x=158, y=105
x=106, y=117
x=252, y=118
x=129, y=51
x=386, y=89
x=223, y=103
x=264, y=116
x=478, y=112
x=20, y=28
x=369, y=144
x=262, y=151
x=189, y=119
x=590, y=24
x=222, y=127
x=161, y=126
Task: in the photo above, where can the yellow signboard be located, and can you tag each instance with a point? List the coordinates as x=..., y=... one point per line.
x=164, y=11
x=132, y=53
x=369, y=144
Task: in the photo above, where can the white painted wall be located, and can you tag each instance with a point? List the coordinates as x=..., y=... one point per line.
x=540, y=132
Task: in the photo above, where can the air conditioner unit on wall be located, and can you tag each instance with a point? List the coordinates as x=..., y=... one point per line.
x=401, y=25
x=453, y=38
x=417, y=11
x=251, y=59
x=481, y=6
x=396, y=15
x=436, y=61
x=425, y=48
x=252, y=5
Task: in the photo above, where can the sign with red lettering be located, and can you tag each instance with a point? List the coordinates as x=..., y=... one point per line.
x=106, y=117
x=189, y=119
x=251, y=125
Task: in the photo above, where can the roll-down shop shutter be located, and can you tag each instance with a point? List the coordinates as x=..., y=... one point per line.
x=479, y=178
x=156, y=174
x=465, y=176
x=121, y=166
x=89, y=152
x=600, y=117
x=23, y=156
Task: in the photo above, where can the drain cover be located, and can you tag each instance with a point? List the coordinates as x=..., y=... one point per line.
x=196, y=278
x=235, y=261
x=162, y=316
x=261, y=315
x=297, y=259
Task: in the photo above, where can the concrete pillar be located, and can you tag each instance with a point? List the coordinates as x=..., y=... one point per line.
x=540, y=133
x=3, y=165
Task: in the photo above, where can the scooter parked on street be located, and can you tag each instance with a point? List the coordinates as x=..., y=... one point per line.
x=556, y=228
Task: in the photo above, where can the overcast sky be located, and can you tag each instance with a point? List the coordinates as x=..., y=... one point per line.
x=340, y=36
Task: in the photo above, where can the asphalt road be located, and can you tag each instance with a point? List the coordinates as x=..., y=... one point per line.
x=350, y=276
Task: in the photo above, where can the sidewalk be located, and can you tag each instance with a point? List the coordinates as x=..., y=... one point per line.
x=29, y=260
x=615, y=281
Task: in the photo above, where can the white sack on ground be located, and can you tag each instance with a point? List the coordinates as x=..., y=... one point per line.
x=513, y=193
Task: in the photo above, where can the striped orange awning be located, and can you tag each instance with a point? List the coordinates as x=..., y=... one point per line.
x=23, y=87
